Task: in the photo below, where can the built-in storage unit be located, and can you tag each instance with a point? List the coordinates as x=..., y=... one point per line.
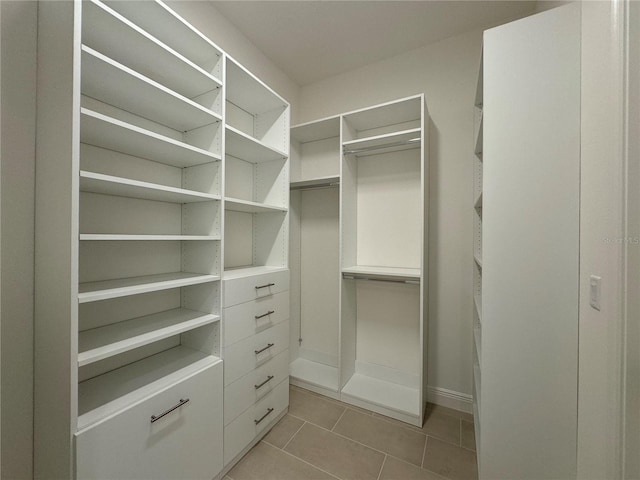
x=136, y=167
x=526, y=326
x=361, y=259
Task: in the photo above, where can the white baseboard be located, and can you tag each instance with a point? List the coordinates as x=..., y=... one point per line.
x=450, y=399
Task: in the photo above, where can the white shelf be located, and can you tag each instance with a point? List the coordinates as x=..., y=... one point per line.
x=124, y=187
x=247, y=92
x=108, y=394
x=243, y=272
x=314, y=373
x=478, y=203
x=391, y=113
x=478, y=260
x=330, y=181
x=477, y=300
x=391, y=272
x=103, y=342
x=388, y=142
x=108, y=32
x=106, y=132
x=479, y=137
x=389, y=395
x=243, y=146
x=111, y=82
x=95, y=291
x=246, y=206
x=145, y=238
x=316, y=130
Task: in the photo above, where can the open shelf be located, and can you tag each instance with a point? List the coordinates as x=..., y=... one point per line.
x=145, y=238
x=106, y=132
x=108, y=32
x=385, y=143
x=247, y=92
x=479, y=136
x=392, y=272
x=330, y=181
x=243, y=272
x=112, y=392
x=124, y=187
x=316, y=130
x=385, y=394
x=478, y=260
x=478, y=203
x=246, y=206
x=314, y=373
x=111, y=82
x=391, y=113
x=103, y=290
x=245, y=147
x=164, y=24
x=477, y=300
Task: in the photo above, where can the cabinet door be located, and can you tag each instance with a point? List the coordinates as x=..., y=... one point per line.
x=185, y=443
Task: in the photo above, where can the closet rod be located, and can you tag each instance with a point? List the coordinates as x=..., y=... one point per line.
x=347, y=276
x=411, y=141
x=314, y=187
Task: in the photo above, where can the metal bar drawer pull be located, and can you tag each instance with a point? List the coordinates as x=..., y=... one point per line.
x=266, y=285
x=265, y=314
x=269, y=345
x=269, y=410
x=269, y=378
x=167, y=412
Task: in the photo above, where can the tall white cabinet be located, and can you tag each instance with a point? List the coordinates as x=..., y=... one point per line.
x=526, y=367
x=360, y=253
x=154, y=150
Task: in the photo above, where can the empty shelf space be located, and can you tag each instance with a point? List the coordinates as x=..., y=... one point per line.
x=144, y=238
x=331, y=181
x=249, y=93
x=314, y=373
x=243, y=146
x=477, y=300
x=478, y=259
x=100, y=343
x=478, y=203
x=385, y=394
x=112, y=392
x=391, y=113
x=111, y=82
x=108, y=32
x=383, y=272
x=316, y=130
x=95, y=291
x=246, y=206
x=106, y=132
x=388, y=142
x=251, y=271
x=124, y=187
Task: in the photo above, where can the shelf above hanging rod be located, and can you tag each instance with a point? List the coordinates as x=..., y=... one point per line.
x=411, y=141
x=348, y=276
x=315, y=187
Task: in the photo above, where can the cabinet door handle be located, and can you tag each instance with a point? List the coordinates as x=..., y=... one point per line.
x=182, y=401
x=269, y=345
x=265, y=314
x=266, y=285
x=269, y=378
x=269, y=410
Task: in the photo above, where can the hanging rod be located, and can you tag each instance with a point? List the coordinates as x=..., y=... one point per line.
x=316, y=186
x=348, y=276
x=410, y=141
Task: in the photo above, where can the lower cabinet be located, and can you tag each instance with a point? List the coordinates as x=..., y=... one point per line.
x=141, y=442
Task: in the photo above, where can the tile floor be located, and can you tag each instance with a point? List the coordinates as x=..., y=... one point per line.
x=322, y=438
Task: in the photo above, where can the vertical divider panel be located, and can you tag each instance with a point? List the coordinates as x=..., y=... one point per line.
x=424, y=270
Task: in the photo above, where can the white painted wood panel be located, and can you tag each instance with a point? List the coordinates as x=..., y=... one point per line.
x=240, y=321
x=244, y=288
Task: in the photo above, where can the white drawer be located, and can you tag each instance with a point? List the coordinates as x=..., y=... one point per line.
x=241, y=357
x=246, y=319
x=239, y=433
x=247, y=390
x=244, y=289
x=184, y=443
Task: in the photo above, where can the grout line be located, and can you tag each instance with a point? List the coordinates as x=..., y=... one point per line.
x=424, y=452
x=292, y=436
x=308, y=463
x=339, y=418
x=460, y=432
x=384, y=460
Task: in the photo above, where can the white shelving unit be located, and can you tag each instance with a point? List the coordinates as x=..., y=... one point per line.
x=358, y=261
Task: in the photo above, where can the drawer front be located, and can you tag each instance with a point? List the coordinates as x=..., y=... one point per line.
x=246, y=319
x=241, y=357
x=254, y=386
x=239, y=433
x=240, y=290
x=183, y=444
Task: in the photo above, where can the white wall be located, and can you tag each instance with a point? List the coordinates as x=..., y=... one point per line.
x=17, y=174
x=205, y=17
x=446, y=72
